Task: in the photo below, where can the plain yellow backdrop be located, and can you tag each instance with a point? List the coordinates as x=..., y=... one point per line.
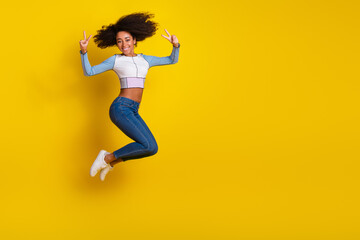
x=257, y=124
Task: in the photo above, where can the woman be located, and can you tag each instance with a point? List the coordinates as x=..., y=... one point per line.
x=131, y=68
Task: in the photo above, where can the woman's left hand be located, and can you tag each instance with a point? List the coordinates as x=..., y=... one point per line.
x=172, y=38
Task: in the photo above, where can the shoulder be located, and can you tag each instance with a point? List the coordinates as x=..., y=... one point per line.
x=111, y=59
x=116, y=57
x=148, y=58
x=145, y=59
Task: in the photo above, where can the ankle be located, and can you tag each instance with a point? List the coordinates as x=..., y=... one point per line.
x=108, y=158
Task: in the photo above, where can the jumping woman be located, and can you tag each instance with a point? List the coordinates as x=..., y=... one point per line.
x=131, y=69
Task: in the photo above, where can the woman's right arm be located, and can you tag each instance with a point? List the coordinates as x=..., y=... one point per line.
x=89, y=70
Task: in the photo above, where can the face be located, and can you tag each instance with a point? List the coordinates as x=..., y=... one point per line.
x=125, y=43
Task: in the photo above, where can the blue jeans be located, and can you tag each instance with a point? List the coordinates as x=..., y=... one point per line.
x=124, y=114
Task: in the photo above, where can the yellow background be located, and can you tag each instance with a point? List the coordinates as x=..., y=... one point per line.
x=257, y=124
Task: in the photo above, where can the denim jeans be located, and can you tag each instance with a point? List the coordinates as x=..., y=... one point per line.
x=124, y=114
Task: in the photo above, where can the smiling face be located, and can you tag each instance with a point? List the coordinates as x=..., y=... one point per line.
x=125, y=42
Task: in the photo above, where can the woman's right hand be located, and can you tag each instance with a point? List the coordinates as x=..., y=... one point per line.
x=84, y=43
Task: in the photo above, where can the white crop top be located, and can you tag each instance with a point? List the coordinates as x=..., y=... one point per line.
x=130, y=70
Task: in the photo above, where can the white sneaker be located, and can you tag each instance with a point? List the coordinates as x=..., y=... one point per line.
x=99, y=163
x=105, y=171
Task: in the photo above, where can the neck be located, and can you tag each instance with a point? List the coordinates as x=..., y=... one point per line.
x=130, y=55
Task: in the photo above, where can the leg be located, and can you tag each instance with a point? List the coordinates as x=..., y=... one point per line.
x=152, y=144
x=127, y=119
x=110, y=158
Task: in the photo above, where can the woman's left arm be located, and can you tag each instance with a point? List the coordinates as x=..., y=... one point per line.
x=172, y=59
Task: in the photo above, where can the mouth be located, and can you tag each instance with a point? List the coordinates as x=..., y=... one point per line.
x=125, y=49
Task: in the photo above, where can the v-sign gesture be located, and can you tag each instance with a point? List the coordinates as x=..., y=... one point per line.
x=172, y=39
x=84, y=43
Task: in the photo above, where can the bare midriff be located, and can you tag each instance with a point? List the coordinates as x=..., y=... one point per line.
x=132, y=93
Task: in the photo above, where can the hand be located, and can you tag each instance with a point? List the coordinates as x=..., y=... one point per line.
x=84, y=43
x=172, y=39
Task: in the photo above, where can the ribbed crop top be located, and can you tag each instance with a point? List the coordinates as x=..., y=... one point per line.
x=130, y=70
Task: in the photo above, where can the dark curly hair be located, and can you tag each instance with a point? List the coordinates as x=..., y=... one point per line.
x=137, y=24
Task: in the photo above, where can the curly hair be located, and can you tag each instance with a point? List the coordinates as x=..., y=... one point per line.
x=137, y=24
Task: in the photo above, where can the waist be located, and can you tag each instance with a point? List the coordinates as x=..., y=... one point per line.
x=129, y=102
x=132, y=82
x=133, y=93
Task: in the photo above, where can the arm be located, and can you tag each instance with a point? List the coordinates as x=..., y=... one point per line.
x=89, y=70
x=156, y=61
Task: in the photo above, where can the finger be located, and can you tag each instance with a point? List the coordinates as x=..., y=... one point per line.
x=166, y=37
x=84, y=35
x=89, y=38
x=167, y=32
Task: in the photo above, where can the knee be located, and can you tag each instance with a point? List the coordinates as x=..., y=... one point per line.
x=152, y=149
x=155, y=149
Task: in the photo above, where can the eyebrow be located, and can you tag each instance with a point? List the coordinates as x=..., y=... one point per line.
x=120, y=38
